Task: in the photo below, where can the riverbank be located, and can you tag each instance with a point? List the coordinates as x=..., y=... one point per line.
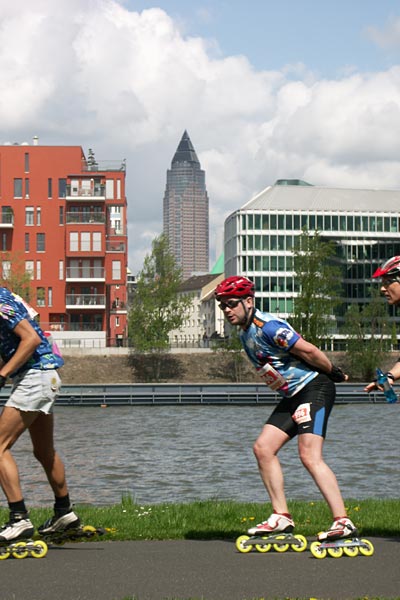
x=220, y=519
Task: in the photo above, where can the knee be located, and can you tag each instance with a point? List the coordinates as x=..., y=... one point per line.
x=309, y=460
x=44, y=456
x=261, y=451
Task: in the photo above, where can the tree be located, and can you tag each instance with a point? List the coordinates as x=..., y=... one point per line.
x=14, y=276
x=157, y=308
x=370, y=336
x=319, y=282
x=233, y=361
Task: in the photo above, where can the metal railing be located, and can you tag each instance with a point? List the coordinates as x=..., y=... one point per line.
x=85, y=300
x=189, y=394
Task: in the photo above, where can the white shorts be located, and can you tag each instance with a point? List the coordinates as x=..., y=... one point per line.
x=35, y=390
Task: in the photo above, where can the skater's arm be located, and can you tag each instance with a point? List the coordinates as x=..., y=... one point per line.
x=29, y=341
x=393, y=374
x=313, y=356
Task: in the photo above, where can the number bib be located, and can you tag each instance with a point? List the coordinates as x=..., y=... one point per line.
x=271, y=377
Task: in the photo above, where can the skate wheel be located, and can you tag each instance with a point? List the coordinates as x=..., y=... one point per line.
x=367, y=549
x=317, y=551
x=335, y=552
x=4, y=552
x=281, y=547
x=89, y=530
x=350, y=550
x=240, y=545
x=19, y=550
x=40, y=549
x=302, y=544
x=263, y=547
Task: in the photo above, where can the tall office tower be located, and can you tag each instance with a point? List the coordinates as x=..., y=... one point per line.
x=63, y=217
x=186, y=210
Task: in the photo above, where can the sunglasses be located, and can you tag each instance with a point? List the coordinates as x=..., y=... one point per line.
x=388, y=281
x=229, y=304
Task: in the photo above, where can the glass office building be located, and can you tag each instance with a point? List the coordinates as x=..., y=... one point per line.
x=260, y=238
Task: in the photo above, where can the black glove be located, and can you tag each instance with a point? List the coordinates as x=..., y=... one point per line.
x=2, y=381
x=336, y=375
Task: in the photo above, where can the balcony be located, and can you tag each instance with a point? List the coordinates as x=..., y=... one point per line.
x=84, y=218
x=85, y=274
x=85, y=193
x=115, y=246
x=7, y=220
x=82, y=301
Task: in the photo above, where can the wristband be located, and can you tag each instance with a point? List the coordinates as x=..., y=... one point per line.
x=389, y=374
x=2, y=381
x=336, y=375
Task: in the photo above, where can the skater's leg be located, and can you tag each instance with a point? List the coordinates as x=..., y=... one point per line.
x=41, y=432
x=12, y=424
x=310, y=452
x=265, y=449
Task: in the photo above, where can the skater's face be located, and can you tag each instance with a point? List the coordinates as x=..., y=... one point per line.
x=236, y=310
x=390, y=288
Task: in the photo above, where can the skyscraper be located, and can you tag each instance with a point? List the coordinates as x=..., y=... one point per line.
x=186, y=210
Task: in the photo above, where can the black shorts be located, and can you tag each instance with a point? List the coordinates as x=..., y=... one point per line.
x=308, y=411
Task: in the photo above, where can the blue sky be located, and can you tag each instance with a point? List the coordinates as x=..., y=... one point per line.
x=326, y=36
x=266, y=90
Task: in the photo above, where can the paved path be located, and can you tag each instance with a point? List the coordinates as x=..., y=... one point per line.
x=207, y=570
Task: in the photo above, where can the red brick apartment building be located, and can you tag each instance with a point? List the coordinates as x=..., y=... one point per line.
x=65, y=215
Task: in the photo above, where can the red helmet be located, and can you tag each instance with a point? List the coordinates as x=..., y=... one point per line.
x=235, y=286
x=390, y=267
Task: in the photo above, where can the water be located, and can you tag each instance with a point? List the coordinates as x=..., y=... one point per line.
x=181, y=454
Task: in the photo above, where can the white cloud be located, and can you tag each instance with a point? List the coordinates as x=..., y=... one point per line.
x=127, y=84
x=389, y=37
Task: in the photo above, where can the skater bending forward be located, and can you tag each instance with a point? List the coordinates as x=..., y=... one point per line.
x=28, y=360
x=304, y=377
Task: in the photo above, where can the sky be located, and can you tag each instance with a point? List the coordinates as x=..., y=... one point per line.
x=305, y=89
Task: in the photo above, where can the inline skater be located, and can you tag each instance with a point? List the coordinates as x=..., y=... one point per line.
x=304, y=377
x=389, y=274
x=28, y=360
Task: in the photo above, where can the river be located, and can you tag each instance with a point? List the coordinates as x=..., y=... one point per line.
x=186, y=453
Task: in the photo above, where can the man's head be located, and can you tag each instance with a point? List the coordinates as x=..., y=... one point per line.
x=389, y=273
x=236, y=299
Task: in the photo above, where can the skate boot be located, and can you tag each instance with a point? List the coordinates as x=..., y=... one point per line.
x=276, y=533
x=60, y=522
x=340, y=528
x=19, y=527
x=276, y=523
x=15, y=538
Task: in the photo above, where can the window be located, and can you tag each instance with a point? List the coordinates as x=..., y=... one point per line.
x=61, y=215
x=26, y=188
x=73, y=241
x=116, y=269
x=27, y=243
x=29, y=215
x=29, y=267
x=17, y=188
x=50, y=297
x=38, y=270
x=40, y=242
x=62, y=188
x=60, y=270
x=4, y=241
x=26, y=162
x=38, y=216
x=49, y=187
x=96, y=241
x=85, y=241
x=40, y=296
x=6, y=267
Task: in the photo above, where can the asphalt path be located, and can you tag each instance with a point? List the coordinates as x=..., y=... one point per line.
x=206, y=570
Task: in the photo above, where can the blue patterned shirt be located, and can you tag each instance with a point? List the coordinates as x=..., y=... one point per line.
x=14, y=309
x=268, y=340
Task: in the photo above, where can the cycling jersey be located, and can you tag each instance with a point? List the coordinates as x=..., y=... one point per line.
x=14, y=309
x=267, y=341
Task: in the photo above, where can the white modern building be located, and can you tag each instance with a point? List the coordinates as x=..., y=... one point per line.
x=261, y=235
x=205, y=320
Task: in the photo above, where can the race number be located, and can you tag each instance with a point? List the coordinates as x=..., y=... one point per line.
x=302, y=414
x=271, y=377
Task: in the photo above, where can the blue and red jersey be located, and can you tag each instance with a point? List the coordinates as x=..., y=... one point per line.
x=268, y=340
